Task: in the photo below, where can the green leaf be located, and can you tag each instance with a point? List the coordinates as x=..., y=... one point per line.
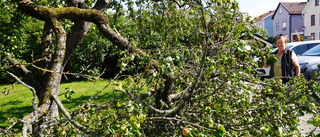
x=221, y=131
x=133, y=119
x=135, y=105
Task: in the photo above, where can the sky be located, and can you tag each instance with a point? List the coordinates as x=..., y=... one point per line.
x=257, y=7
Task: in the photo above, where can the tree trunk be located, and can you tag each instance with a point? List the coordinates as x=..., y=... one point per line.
x=52, y=66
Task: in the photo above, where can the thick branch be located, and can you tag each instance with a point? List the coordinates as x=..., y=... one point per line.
x=46, y=44
x=23, y=72
x=29, y=119
x=168, y=84
x=53, y=80
x=101, y=20
x=73, y=13
x=118, y=40
x=79, y=31
x=181, y=95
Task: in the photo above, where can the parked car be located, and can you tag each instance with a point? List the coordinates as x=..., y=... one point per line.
x=308, y=61
x=298, y=47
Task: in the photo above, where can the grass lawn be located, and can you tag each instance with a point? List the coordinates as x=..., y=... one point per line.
x=18, y=102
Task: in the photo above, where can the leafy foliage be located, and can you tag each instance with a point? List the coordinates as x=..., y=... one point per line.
x=198, y=72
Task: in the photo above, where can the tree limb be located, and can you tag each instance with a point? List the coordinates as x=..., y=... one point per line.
x=67, y=115
x=33, y=117
x=73, y=13
x=23, y=72
x=34, y=100
x=79, y=30
x=46, y=53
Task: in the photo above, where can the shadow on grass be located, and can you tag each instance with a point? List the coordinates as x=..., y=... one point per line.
x=18, y=111
x=101, y=98
x=71, y=80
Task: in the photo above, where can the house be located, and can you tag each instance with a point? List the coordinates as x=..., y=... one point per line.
x=265, y=22
x=288, y=20
x=311, y=15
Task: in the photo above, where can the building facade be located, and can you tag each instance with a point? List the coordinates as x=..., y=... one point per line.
x=288, y=20
x=265, y=22
x=311, y=14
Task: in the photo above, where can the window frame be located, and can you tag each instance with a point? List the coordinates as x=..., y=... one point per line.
x=313, y=20
x=284, y=24
x=260, y=25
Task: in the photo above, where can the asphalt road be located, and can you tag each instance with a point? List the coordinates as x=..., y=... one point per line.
x=306, y=128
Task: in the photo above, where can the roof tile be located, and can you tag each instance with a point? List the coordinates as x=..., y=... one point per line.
x=264, y=15
x=294, y=7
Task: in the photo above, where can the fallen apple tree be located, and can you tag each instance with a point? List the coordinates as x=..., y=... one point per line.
x=185, y=53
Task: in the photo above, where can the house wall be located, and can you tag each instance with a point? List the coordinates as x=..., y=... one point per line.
x=311, y=9
x=258, y=22
x=268, y=25
x=296, y=25
x=280, y=16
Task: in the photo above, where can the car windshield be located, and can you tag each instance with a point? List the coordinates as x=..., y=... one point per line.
x=315, y=51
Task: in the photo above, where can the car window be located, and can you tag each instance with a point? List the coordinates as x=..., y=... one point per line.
x=289, y=46
x=300, y=49
x=312, y=45
x=315, y=51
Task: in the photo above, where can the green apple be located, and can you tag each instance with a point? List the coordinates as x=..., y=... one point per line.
x=185, y=132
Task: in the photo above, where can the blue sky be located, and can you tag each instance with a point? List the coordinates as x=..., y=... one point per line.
x=258, y=7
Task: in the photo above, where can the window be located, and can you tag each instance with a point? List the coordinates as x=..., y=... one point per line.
x=284, y=24
x=277, y=25
x=312, y=45
x=316, y=2
x=300, y=49
x=313, y=20
x=260, y=26
x=280, y=9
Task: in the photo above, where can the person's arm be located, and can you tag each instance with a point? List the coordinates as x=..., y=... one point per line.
x=296, y=64
x=265, y=64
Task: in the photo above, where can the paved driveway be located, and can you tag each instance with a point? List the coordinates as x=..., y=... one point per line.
x=306, y=128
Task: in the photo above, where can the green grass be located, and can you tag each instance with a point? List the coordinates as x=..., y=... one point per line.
x=18, y=102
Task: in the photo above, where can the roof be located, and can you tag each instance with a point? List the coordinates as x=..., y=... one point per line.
x=292, y=7
x=264, y=15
